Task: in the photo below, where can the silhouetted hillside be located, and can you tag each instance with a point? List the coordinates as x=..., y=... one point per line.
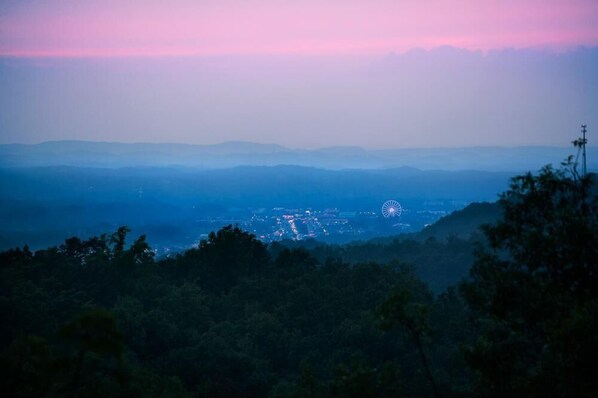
x=463, y=223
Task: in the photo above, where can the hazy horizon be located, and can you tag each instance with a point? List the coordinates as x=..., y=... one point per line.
x=304, y=74
x=445, y=97
x=290, y=148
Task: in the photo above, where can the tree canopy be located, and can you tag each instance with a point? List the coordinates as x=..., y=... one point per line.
x=534, y=290
x=233, y=317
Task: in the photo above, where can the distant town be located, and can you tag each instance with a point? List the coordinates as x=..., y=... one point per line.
x=330, y=225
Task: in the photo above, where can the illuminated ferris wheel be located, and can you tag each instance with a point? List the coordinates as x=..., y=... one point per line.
x=391, y=208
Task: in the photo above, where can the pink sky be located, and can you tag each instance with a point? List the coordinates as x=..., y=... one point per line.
x=208, y=27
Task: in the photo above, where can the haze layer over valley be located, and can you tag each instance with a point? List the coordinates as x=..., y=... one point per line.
x=439, y=97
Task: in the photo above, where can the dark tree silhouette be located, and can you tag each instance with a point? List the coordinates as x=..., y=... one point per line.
x=534, y=291
x=408, y=308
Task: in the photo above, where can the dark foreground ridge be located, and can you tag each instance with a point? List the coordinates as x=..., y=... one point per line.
x=234, y=317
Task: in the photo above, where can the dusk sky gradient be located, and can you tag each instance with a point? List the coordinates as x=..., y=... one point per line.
x=305, y=74
x=216, y=27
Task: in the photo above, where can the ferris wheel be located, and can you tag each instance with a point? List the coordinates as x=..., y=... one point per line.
x=391, y=208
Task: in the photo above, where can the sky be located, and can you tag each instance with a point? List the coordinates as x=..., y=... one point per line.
x=209, y=27
x=304, y=73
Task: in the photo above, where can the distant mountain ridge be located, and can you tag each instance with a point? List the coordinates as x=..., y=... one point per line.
x=42, y=205
x=242, y=153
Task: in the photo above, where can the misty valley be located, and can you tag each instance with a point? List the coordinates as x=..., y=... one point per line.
x=176, y=194
x=294, y=281
x=176, y=208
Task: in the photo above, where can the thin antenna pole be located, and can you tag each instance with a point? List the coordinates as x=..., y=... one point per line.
x=583, y=144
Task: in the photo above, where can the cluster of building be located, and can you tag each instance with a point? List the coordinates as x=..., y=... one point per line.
x=328, y=224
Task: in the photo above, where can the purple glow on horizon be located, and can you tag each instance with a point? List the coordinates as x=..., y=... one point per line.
x=58, y=28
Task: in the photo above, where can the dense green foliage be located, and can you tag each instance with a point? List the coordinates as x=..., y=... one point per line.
x=534, y=290
x=235, y=318
x=441, y=263
x=228, y=318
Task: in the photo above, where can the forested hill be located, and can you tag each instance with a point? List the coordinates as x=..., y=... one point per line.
x=463, y=223
x=442, y=253
x=102, y=317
